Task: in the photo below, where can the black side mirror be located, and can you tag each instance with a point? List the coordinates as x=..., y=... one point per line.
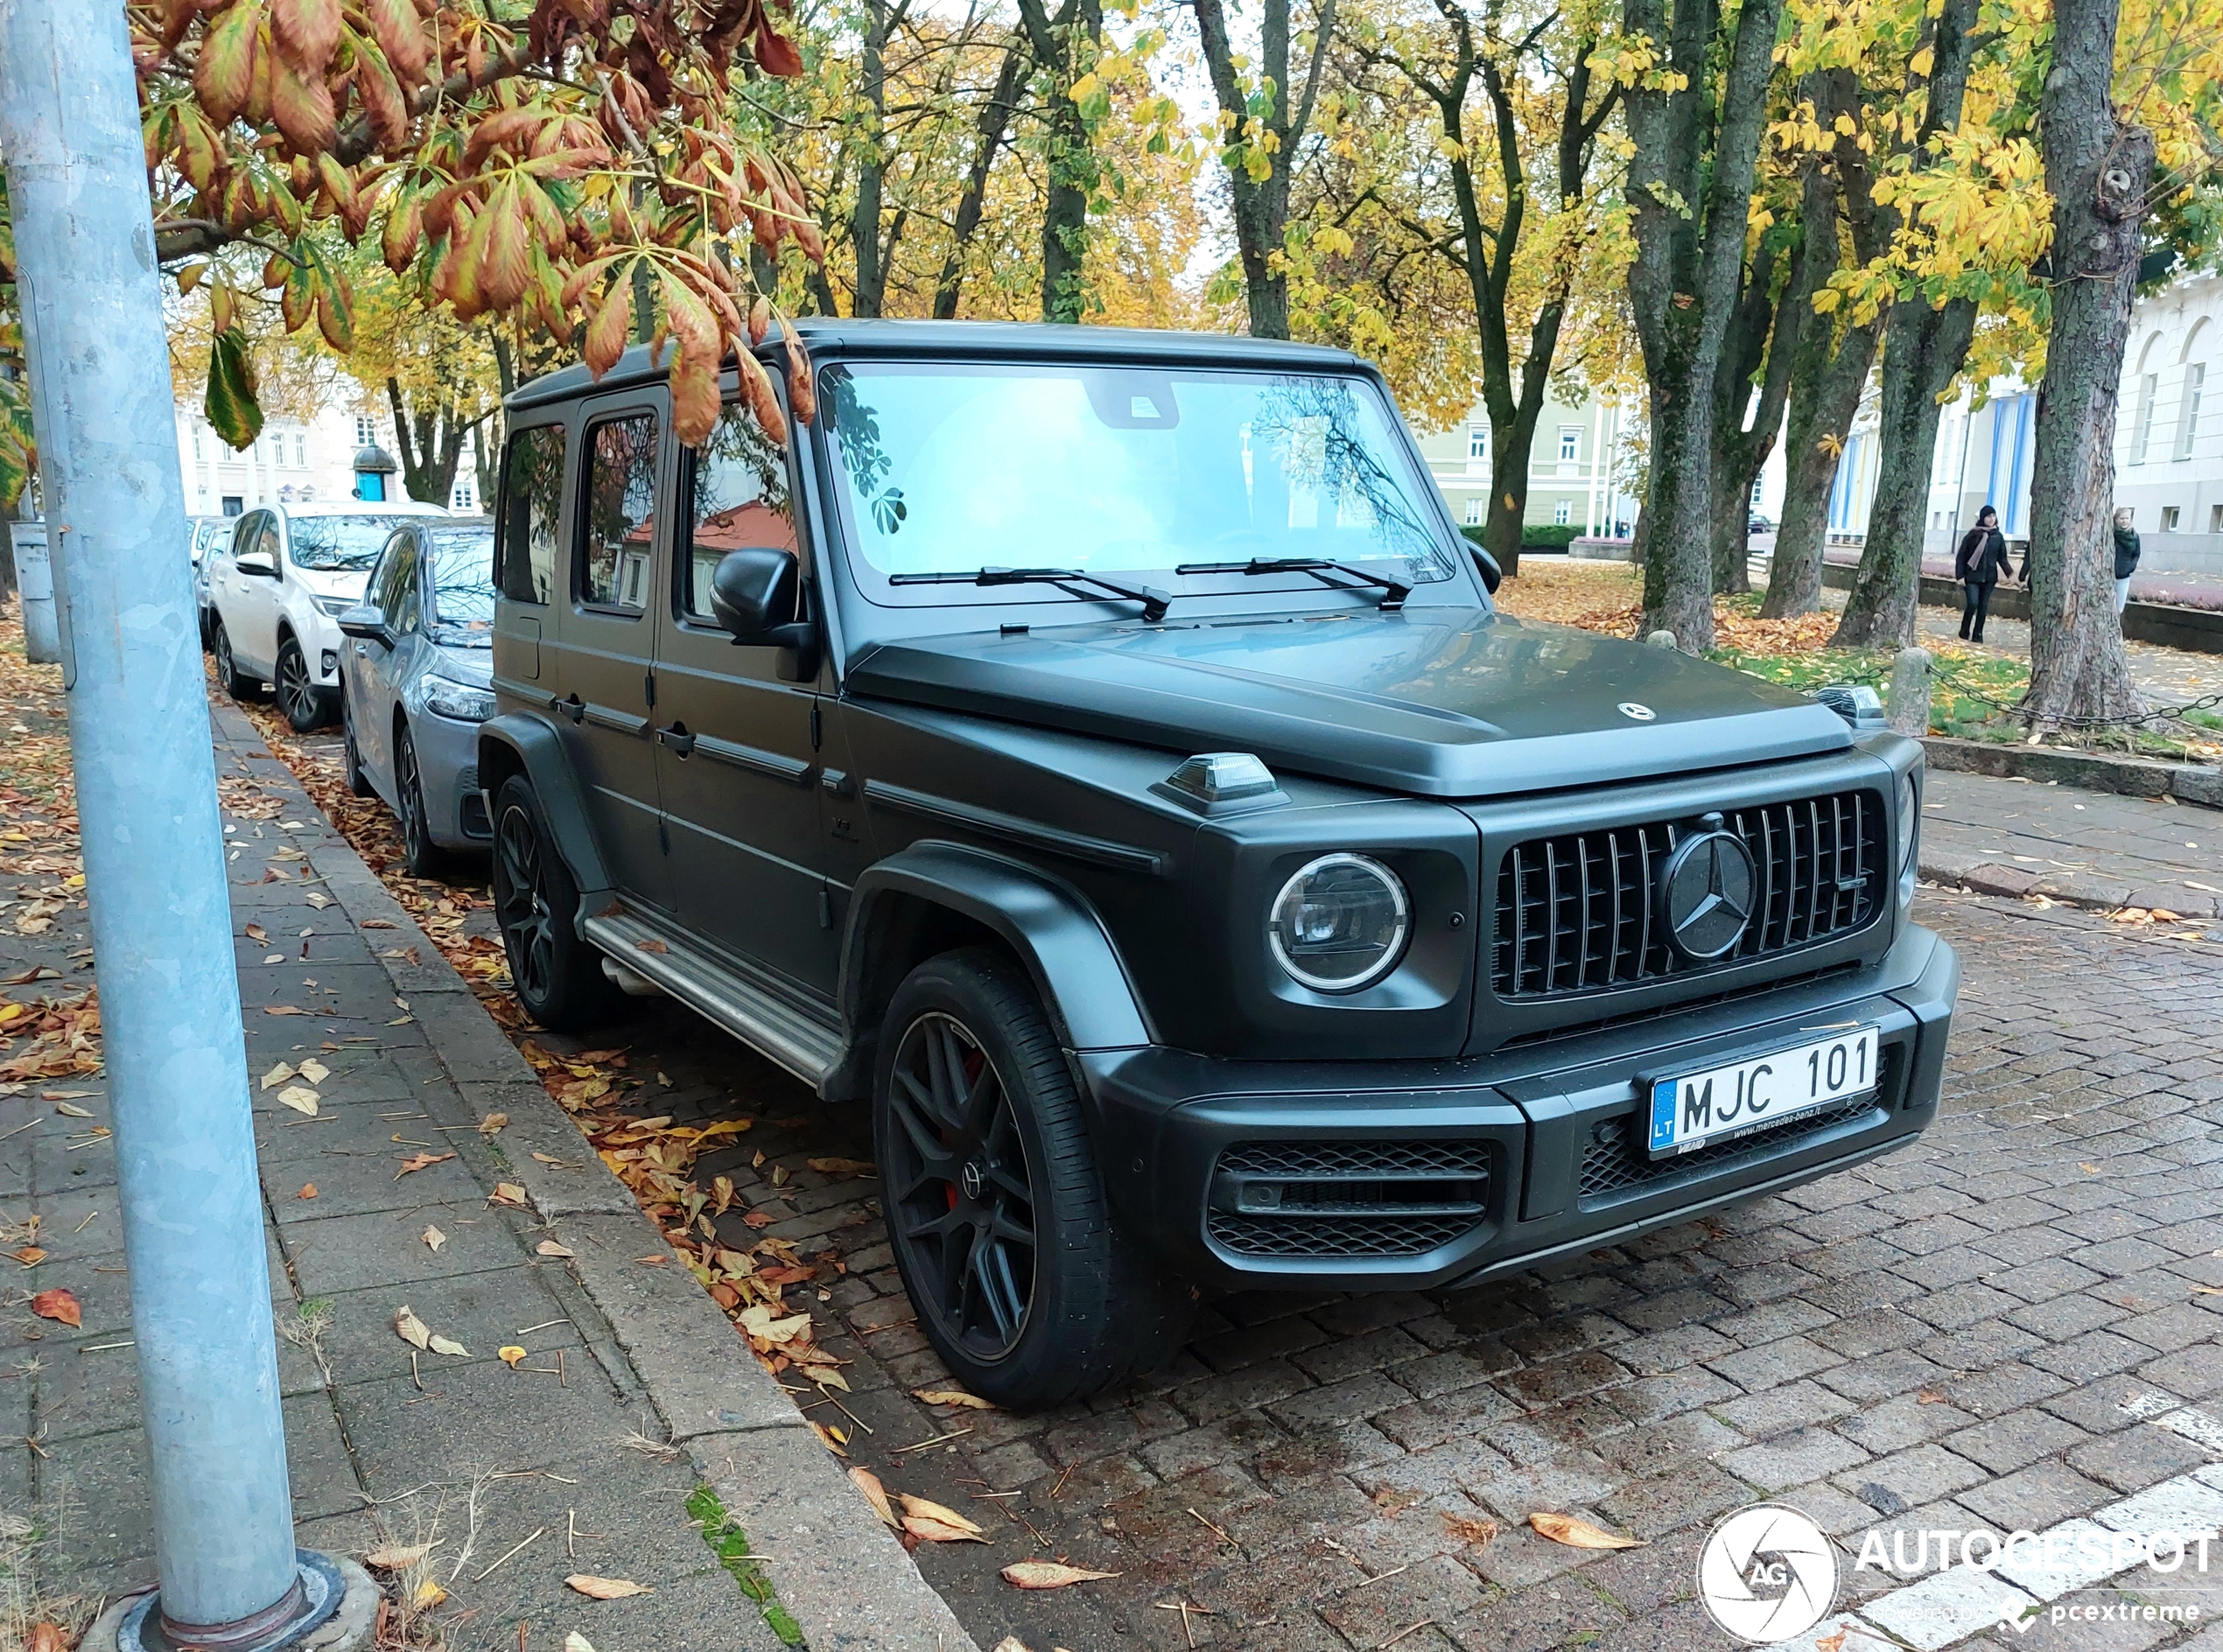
x=366, y=624
x=754, y=591
x=1486, y=566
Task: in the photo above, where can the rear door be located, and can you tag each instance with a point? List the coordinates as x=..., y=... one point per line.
x=599, y=679
x=737, y=765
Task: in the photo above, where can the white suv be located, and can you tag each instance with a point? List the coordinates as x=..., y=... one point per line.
x=274, y=588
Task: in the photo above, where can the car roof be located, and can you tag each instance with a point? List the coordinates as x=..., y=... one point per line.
x=848, y=337
x=360, y=508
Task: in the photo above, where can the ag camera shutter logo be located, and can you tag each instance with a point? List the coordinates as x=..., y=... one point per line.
x=1767, y=1574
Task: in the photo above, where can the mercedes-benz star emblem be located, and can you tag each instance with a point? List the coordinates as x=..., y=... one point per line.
x=974, y=1179
x=1641, y=713
x=1706, y=898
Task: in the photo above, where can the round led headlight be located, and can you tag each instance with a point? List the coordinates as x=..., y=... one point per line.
x=1340, y=924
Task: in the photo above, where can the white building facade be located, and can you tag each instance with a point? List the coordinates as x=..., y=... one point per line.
x=294, y=461
x=2168, y=452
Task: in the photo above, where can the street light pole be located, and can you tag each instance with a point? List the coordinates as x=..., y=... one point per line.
x=90, y=291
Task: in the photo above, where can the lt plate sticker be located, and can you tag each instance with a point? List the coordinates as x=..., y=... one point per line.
x=1764, y=1093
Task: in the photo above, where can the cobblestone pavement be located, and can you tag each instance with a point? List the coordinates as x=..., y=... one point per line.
x=1945, y=1338
x=2138, y=852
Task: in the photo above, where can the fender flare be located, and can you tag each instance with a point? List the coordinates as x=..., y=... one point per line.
x=1051, y=926
x=519, y=742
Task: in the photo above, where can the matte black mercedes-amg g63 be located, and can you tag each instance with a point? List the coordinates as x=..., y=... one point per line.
x=1099, y=749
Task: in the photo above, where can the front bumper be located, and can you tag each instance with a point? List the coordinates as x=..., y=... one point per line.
x=447, y=767
x=1486, y=1165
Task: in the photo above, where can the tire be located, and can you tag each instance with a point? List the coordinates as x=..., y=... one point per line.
x=306, y=705
x=227, y=672
x=351, y=757
x=207, y=631
x=1021, y=1279
x=557, y=976
x=425, y=857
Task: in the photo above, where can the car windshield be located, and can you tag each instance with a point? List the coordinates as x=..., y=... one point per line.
x=339, y=544
x=951, y=468
x=463, y=590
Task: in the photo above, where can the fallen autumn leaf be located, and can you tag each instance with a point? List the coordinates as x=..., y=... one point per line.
x=876, y=1494
x=603, y=1588
x=411, y=1329
x=550, y=1248
x=511, y=1355
x=397, y=1557
x=1050, y=1574
x=952, y=1396
x=58, y=1304
x=433, y=1238
x=1580, y=1534
x=420, y=1161
x=308, y=1191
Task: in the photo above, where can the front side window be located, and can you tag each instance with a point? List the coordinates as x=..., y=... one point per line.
x=395, y=587
x=337, y=544
x=617, y=525
x=246, y=536
x=532, y=493
x=737, y=498
x=953, y=467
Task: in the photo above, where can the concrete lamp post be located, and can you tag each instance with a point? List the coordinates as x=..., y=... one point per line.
x=231, y=1579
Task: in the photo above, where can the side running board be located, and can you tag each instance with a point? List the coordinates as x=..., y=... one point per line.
x=804, y=1042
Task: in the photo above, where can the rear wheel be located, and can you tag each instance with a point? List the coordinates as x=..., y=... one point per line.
x=556, y=975
x=1020, y=1280
x=298, y=696
x=228, y=671
x=351, y=757
x=425, y=857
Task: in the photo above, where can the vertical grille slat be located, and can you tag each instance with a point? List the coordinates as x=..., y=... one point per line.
x=1576, y=912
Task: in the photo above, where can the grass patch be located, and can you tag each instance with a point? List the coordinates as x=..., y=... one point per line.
x=730, y=1543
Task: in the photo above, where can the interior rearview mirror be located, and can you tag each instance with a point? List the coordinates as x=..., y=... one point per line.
x=753, y=593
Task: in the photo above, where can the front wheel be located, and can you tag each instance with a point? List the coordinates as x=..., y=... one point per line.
x=557, y=976
x=424, y=856
x=297, y=694
x=1021, y=1282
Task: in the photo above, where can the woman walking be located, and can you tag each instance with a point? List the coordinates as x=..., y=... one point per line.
x=2125, y=556
x=1978, y=565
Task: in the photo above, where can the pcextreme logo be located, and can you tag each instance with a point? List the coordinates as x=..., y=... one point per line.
x=1767, y=1574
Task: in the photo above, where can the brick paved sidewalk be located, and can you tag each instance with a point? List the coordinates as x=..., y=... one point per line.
x=523, y=1476
x=2016, y=838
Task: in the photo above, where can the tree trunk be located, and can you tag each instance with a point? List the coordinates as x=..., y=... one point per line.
x=2097, y=170
x=1824, y=398
x=1923, y=348
x=1690, y=182
x=1071, y=157
x=871, y=290
x=993, y=123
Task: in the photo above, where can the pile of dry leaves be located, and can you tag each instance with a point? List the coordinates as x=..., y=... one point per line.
x=1608, y=597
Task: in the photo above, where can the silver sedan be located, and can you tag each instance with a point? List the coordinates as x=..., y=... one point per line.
x=416, y=683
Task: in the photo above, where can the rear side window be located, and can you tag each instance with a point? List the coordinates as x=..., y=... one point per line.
x=532, y=493
x=737, y=497
x=618, y=522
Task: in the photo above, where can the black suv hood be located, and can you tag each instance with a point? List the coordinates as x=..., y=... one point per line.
x=1437, y=702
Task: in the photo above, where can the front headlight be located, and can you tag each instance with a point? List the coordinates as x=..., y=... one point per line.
x=1340, y=924
x=458, y=700
x=336, y=606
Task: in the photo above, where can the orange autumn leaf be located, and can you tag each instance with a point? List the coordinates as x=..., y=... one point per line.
x=58, y=1304
x=1580, y=1534
x=420, y=1161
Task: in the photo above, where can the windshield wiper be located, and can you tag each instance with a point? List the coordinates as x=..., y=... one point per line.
x=1153, y=602
x=1393, y=592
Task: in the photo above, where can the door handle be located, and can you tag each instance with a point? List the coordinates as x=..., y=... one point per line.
x=362, y=651
x=677, y=739
x=570, y=706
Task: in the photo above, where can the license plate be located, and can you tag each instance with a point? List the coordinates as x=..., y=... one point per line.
x=1765, y=1093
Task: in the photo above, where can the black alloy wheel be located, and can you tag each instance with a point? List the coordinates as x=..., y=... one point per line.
x=351, y=757
x=556, y=975
x=958, y=1195
x=1021, y=1278
x=227, y=672
x=423, y=855
x=297, y=694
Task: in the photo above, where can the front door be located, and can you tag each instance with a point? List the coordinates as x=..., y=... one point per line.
x=370, y=686
x=607, y=639
x=738, y=771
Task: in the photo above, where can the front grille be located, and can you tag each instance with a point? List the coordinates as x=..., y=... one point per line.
x=1576, y=913
x=1332, y=1238
x=1614, y=1164
x=1346, y=1198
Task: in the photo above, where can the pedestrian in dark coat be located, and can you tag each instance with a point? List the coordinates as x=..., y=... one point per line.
x=2125, y=556
x=1979, y=564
